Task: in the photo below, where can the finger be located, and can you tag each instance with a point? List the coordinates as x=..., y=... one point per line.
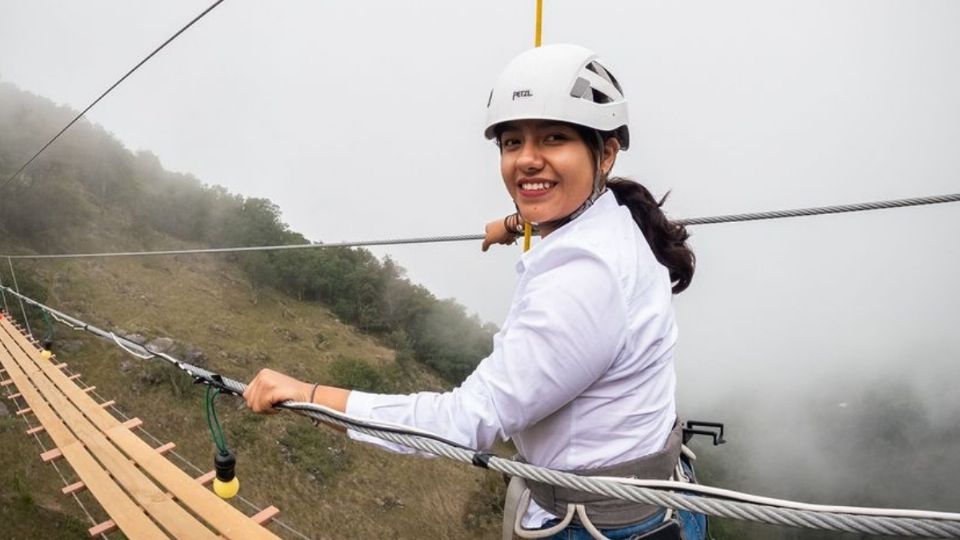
x=270, y=411
x=249, y=395
x=256, y=394
x=249, y=392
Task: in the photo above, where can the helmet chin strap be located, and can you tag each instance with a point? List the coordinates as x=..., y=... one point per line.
x=599, y=188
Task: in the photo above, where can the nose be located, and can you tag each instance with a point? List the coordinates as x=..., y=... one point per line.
x=530, y=157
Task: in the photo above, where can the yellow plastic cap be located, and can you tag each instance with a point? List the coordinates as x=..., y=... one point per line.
x=226, y=490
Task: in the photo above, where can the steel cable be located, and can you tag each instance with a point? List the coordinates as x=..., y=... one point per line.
x=75, y=324
x=107, y=91
x=184, y=461
x=823, y=210
x=731, y=218
x=678, y=496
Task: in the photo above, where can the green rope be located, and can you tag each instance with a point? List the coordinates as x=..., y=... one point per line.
x=51, y=332
x=216, y=430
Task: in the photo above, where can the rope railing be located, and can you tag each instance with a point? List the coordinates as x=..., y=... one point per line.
x=43, y=448
x=730, y=218
x=186, y=463
x=667, y=494
x=183, y=460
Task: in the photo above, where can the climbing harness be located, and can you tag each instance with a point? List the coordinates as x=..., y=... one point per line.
x=592, y=511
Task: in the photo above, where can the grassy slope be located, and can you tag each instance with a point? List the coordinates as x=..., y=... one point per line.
x=28, y=508
x=324, y=485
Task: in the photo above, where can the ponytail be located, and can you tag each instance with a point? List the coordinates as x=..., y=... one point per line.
x=666, y=239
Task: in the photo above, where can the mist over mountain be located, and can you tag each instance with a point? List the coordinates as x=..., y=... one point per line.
x=843, y=412
x=88, y=192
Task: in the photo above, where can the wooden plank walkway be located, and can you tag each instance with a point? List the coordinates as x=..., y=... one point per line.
x=145, y=495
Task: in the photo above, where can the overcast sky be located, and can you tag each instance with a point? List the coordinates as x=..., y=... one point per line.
x=364, y=120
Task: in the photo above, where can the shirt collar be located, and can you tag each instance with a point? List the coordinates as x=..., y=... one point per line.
x=603, y=203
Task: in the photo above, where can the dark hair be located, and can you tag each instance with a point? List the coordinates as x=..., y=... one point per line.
x=667, y=239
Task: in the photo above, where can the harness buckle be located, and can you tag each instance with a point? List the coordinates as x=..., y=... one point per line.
x=714, y=430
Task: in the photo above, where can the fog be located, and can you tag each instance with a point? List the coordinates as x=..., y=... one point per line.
x=364, y=120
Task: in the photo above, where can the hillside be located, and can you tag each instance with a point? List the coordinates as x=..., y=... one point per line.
x=330, y=487
x=341, y=316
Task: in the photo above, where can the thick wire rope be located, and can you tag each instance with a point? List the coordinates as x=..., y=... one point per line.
x=108, y=90
x=156, y=440
x=823, y=210
x=401, y=439
x=186, y=462
x=242, y=249
x=666, y=494
x=730, y=218
x=63, y=478
x=13, y=275
x=183, y=460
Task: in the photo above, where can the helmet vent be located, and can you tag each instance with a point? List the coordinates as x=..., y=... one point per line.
x=601, y=71
x=600, y=97
x=562, y=83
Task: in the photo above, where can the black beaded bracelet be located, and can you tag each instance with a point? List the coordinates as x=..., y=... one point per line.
x=517, y=227
x=510, y=228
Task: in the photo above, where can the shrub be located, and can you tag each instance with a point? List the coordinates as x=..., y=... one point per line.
x=320, y=454
x=356, y=375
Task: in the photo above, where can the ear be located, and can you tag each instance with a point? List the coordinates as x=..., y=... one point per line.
x=611, y=147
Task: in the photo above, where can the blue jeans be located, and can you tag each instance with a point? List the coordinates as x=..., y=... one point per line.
x=693, y=527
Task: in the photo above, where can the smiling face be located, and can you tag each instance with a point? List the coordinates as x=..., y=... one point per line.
x=548, y=168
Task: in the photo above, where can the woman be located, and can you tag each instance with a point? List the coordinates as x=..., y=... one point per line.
x=581, y=377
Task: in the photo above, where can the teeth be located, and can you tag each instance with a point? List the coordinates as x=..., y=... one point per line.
x=534, y=186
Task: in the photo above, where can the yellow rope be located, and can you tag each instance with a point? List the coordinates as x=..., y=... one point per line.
x=538, y=33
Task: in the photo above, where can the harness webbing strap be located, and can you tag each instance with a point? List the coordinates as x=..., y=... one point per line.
x=606, y=512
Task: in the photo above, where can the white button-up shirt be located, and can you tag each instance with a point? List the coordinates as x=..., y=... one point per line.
x=581, y=375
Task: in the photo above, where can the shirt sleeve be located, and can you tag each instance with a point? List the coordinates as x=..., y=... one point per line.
x=564, y=331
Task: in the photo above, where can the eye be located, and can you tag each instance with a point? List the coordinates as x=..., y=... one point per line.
x=556, y=137
x=507, y=142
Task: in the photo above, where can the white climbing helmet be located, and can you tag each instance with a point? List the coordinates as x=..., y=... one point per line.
x=559, y=82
